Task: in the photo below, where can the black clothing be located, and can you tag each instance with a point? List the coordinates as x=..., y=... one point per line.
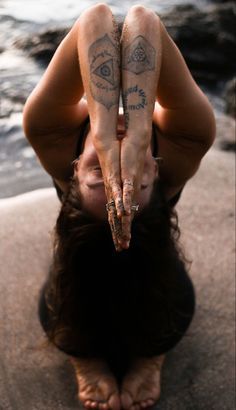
x=124, y=317
x=133, y=321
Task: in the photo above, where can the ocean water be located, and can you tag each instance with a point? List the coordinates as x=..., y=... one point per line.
x=43, y=11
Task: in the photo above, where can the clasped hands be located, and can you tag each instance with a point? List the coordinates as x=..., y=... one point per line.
x=122, y=167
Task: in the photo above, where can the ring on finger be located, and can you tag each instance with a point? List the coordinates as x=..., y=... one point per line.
x=110, y=204
x=130, y=183
x=135, y=208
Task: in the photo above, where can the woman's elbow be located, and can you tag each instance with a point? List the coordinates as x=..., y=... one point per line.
x=209, y=128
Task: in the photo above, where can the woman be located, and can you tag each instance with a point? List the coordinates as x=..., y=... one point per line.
x=117, y=311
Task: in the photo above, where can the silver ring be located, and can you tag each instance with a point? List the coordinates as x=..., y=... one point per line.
x=109, y=205
x=135, y=207
x=158, y=160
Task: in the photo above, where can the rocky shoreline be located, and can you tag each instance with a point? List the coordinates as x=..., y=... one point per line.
x=205, y=36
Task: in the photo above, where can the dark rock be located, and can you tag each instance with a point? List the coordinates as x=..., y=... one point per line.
x=229, y=146
x=43, y=45
x=230, y=97
x=206, y=38
x=225, y=132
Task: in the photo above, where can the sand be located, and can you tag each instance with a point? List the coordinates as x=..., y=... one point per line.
x=199, y=372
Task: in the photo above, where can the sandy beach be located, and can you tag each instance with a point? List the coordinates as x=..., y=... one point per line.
x=199, y=372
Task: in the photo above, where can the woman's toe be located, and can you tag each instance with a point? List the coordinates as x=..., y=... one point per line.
x=87, y=404
x=114, y=402
x=150, y=402
x=126, y=400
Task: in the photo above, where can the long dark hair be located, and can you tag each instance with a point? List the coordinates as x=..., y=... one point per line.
x=94, y=290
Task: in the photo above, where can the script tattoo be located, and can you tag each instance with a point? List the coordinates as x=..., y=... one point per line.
x=134, y=99
x=104, y=65
x=139, y=56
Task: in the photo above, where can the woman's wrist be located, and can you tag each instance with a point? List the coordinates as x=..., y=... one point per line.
x=104, y=140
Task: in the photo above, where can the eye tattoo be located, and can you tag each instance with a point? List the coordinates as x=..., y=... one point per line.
x=139, y=56
x=106, y=71
x=104, y=65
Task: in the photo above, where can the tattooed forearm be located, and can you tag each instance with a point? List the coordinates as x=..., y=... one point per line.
x=139, y=56
x=104, y=65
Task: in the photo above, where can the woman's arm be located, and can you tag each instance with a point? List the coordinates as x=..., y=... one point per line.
x=141, y=58
x=100, y=68
x=154, y=69
x=87, y=61
x=184, y=117
x=55, y=109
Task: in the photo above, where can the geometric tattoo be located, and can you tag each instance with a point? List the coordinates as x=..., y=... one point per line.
x=104, y=65
x=139, y=56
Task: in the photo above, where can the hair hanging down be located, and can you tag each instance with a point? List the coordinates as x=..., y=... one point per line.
x=101, y=301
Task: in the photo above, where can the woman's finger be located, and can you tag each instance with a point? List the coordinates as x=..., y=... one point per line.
x=128, y=193
x=118, y=198
x=126, y=230
x=115, y=225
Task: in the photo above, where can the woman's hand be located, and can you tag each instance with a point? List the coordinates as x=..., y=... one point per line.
x=108, y=151
x=140, y=72
x=99, y=56
x=132, y=157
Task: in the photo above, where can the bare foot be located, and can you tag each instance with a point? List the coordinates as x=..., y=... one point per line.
x=97, y=386
x=141, y=385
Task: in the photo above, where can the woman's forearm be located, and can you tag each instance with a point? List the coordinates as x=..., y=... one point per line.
x=141, y=57
x=154, y=69
x=99, y=56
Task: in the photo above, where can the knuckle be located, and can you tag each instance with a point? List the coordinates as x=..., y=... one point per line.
x=140, y=11
x=95, y=11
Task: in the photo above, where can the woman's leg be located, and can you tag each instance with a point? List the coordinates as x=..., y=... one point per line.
x=97, y=385
x=141, y=385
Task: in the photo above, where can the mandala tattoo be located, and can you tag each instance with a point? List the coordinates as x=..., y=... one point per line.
x=139, y=56
x=104, y=65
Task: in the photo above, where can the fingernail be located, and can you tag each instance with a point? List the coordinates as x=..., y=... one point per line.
x=127, y=244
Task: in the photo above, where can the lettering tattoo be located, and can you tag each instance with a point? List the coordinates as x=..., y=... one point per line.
x=139, y=56
x=134, y=99
x=104, y=66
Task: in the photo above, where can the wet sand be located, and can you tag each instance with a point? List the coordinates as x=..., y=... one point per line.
x=198, y=373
